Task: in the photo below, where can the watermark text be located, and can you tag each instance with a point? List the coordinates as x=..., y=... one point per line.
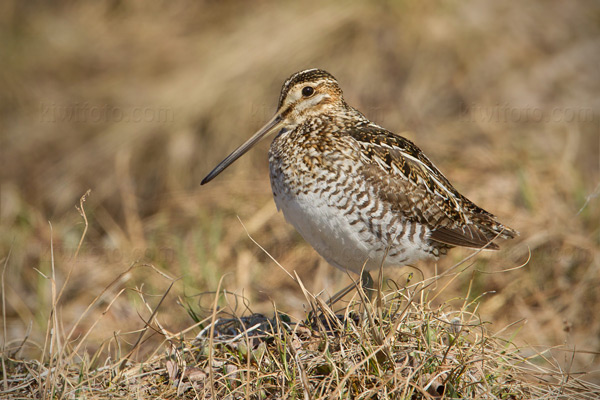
x=85, y=112
x=505, y=113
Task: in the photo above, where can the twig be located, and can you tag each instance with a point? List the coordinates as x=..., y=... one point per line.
x=126, y=358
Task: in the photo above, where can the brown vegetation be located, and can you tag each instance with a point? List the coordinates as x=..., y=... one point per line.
x=137, y=102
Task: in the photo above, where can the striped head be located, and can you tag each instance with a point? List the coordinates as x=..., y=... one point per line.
x=309, y=92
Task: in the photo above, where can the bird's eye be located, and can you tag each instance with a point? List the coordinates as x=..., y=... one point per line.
x=307, y=91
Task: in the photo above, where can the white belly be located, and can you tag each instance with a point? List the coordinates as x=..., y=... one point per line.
x=344, y=242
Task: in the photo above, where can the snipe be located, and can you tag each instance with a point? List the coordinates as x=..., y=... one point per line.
x=362, y=196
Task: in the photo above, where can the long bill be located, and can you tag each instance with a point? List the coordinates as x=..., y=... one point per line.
x=270, y=127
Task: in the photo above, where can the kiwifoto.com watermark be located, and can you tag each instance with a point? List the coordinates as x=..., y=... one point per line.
x=85, y=112
x=506, y=113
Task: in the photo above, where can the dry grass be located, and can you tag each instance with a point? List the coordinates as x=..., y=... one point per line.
x=398, y=346
x=138, y=102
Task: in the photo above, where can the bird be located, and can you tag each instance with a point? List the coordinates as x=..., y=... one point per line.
x=363, y=197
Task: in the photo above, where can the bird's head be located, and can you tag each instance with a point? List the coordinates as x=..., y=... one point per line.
x=305, y=95
x=308, y=94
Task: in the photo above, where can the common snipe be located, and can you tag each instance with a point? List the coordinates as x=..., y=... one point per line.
x=362, y=196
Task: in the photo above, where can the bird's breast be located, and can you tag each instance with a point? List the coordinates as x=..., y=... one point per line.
x=322, y=193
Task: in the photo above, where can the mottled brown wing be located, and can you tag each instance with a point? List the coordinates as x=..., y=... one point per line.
x=405, y=178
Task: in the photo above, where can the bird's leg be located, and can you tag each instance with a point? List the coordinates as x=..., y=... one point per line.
x=367, y=283
x=336, y=297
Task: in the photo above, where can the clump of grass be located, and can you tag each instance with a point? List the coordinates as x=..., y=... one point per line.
x=399, y=347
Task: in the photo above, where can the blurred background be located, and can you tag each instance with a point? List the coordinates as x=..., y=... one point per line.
x=138, y=101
